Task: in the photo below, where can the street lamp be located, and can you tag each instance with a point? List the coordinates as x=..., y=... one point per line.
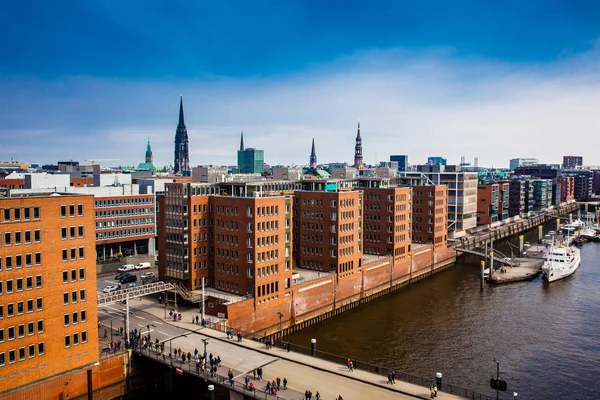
x=515, y=394
x=280, y=315
x=205, y=342
x=497, y=361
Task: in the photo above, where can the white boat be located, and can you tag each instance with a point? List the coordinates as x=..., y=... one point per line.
x=587, y=233
x=560, y=262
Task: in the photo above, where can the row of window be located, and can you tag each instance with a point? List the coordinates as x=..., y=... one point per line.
x=65, y=275
x=23, y=352
x=73, y=296
x=123, y=202
x=75, y=318
x=124, y=233
x=124, y=222
x=11, y=333
x=8, y=264
x=20, y=214
x=10, y=307
x=73, y=232
x=63, y=210
x=18, y=286
x=17, y=238
x=73, y=253
x=127, y=212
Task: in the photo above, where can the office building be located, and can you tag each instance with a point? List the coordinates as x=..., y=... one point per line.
x=48, y=308
x=488, y=202
x=566, y=189
x=430, y=214
x=436, y=161
x=525, y=162
x=538, y=171
x=517, y=198
x=402, y=161
x=583, y=183
x=542, y=193
x=250, y=160
x=572, y=162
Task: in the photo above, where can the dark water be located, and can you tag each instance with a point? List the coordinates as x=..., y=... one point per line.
x=547, y=337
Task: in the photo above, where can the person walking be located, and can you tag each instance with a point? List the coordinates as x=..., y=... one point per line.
x=284, y=383
x=318, y=395
x=389, y=379
x=278, y=383
x=435, y=389
x=259, y=372
x=268, y=387
x=431, y=392
x=393, y=378
x=351, y=367
x=254, y=373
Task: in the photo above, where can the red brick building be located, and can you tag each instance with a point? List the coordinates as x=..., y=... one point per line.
x=430, y=214
x=48, y=310
x=567, y=188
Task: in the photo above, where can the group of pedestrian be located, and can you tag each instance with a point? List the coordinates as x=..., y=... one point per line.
x=175, y=315
x=197, y=320
x=391, y=378
x=269, y=343
x=308, y=395
x=433, y=390
x=257, y=373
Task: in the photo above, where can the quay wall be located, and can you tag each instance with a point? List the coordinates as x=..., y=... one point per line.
x=478, y=239
x=108, y=382
x=316, y=300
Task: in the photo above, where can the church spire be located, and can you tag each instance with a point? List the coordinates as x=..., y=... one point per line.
x=358, y=158
x=182, y=152
x=148, y=151
x=313, y=155
x=242, y=141
x=181, y=121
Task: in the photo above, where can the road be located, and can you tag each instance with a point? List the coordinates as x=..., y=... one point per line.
x=107, y=279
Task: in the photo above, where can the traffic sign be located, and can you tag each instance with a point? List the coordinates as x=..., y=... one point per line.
x=179, y=370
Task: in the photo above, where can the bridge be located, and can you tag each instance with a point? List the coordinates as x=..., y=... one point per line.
x=502, y=260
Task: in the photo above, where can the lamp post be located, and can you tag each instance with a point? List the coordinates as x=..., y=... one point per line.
x=205, y=342
x=497, y=378
x=515, y=394
x=280, y=315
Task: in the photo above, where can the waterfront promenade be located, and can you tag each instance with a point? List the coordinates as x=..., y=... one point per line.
x=302, y=371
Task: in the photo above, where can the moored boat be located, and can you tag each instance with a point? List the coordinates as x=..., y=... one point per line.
x=560, y=262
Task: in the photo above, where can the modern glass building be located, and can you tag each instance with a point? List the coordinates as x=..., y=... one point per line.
x=251, y=161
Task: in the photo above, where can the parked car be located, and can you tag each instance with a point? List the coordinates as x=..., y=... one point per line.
x=122, y=275
x=148, y=275
x=129, y=279
x=111, y=288
x=126, y=268
x=143, y=265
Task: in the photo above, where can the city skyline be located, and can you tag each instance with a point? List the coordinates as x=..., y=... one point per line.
x=428, y=87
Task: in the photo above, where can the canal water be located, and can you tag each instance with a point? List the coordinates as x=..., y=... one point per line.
x=546, y=337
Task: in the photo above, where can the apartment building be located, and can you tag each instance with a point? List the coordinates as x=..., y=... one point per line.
x=488, y=203
x=327, y=230
x=429, y=214
x=48, y=309
x=572, y=162
x=387, y=221
x=517, y=198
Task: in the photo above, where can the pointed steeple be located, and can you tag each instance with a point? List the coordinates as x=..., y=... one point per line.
x=181, y=120
x=313, y=155
x=148, y=152
x=242, y=141
x=358, y=158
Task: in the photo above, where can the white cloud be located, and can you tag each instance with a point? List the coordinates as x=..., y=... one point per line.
x=408, y=103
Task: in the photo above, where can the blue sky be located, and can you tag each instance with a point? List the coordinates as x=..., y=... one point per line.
x=497, y=80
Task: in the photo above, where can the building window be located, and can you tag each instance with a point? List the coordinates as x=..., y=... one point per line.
x=67, y=320
x=19, y=261
x=40, y=327
x=83, y=315
x=21, y=330
x=11, y=333
x=74, y=296
x=65, y=276
x=28, y=260
x=19, y=284
x=20, y=308
x=65, y=255
x=2, y=359
x=37, y=235
x=1, y=311
x=75, y=317
x=27, y=237
x=81, y=252
x=12, y=356
x=31, y=350
x=65, y=298
x=17, y=214
x=36, y=213
x=73, y=275
x=84, y=337
x=2, y=335
x=38, y=281
x=75, y=339
x=10, y=310
x=21, y=353
x=40, y=304
x=9, y=286
x=30, y=328
x=63, y=233
x=63, y=211
x=82, y=295
x=73, y=254
x=68, y=341
x=80, y=210
x=80, y=231
x=72, y=210
x=41, y=349
x=72, y=232
x=30, y=305
x=7, y=239
x=38, y=258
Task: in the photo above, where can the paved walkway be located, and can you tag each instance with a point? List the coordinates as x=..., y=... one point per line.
x=302, y=371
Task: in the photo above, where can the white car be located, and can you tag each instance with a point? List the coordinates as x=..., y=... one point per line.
x=148, y=275
x=111, y=288
x=126, y=268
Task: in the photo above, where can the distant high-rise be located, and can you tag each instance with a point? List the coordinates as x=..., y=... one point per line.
x=182, y=152
x=525, y=162
x=437, y=160
x=148, y=152
x=572, y=162
x=358, y=157
x=402, y=161
x=250, y=160
x=313, y=155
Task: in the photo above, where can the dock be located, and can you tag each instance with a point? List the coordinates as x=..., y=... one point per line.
x=524, y=269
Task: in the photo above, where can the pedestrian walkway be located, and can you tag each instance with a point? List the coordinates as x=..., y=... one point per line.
x=329, y=378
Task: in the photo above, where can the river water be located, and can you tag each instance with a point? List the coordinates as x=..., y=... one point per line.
x=547, y=337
